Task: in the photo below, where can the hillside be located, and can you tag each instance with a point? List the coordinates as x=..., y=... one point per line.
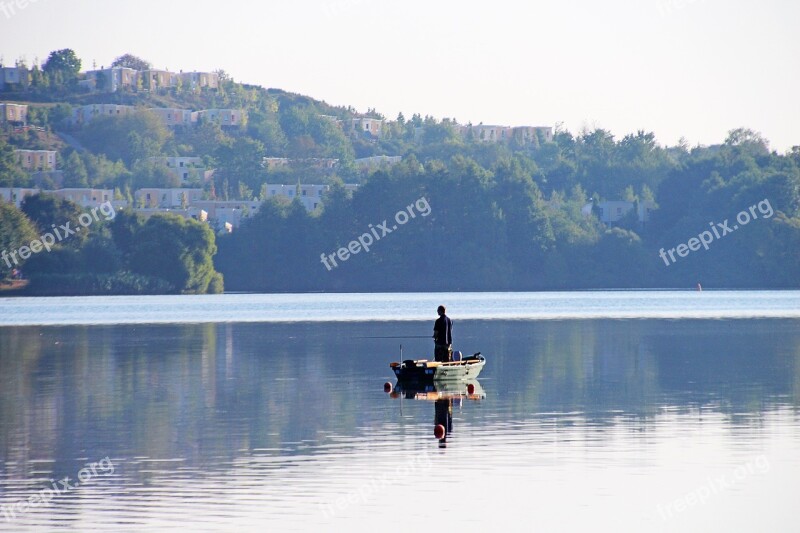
x=511, y=207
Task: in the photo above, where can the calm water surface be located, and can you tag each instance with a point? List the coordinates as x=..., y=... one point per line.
x=622, y=411
x=397, y=307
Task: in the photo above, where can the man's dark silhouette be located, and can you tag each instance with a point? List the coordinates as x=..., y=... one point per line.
x=442, y=336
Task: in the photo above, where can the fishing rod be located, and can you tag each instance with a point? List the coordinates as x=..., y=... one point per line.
x=399, y=337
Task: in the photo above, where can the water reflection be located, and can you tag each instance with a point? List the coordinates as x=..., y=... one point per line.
x=235, y=408
x=444, y=395
x=206, y=391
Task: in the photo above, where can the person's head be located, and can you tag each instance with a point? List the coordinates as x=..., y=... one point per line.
x=440, y=310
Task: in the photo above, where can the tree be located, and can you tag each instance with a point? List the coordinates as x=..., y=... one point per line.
x=51, y=213
x=75, y=174
x=178, y=251
x=16, y=230
x=104, y=173
x=748, y=140
x=100, y=81
x=206, y=137
x=223, y=76
x=154, y=174
x=62, y=66
x=629, y=195
x=131, y=61
x=124, y=229
x=132, y=137
x=58, y=115
x=11, y=175
x=241, y=162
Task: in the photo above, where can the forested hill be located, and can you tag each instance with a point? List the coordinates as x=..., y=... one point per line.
x=566, y=210
x=501, y=219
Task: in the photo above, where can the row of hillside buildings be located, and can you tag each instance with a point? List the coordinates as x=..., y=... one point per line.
x=186, y=169
x=228, y=215
x=500, y=134
x=189, y=203
x=17, y=115
x=612, y=211
x=193, y=169
x=328, y=163
x=374, y=127
x=171, y=117
x=37, y=160
x=111, y=80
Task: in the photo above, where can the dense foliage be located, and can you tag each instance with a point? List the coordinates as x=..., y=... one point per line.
x=15, y=231
x=120, y=253
x=492, y=227
x=509, y=215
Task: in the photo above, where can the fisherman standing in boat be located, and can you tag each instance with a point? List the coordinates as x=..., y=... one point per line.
x=442, y=336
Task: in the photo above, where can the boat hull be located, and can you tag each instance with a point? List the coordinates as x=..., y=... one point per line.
x=423, y=371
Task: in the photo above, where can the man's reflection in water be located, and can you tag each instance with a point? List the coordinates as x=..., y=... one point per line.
x=444, y=417
x=445, y=396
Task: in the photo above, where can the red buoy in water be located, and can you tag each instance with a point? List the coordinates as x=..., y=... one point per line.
x=387, y=387
x=438, y=431
x=470, y=389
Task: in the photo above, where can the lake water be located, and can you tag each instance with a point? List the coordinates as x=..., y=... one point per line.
x=610, y=411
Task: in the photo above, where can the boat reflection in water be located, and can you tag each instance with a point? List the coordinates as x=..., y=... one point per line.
x=445, y=395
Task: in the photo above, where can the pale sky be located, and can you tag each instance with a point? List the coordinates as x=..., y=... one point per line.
x=692, y=68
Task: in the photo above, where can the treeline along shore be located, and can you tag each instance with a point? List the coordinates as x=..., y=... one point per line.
x=219, y=185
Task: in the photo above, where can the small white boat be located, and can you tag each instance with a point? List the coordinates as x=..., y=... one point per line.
x=423, y=370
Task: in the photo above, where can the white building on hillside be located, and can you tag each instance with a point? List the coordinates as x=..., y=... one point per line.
x=371, y=126
x=13, y=76
x=190, y=213
x=377, y=161
x=85, y=197
x=172, y=117
x=319, y=163
x=527, y=134
x=185, y=169
x=223, y=117
x=168, y=198
x=309, y=195
x=491, y=134
x=43, y=160
x=109, y=80
x=15, y=114
x=612, y=211
x=85, y=114
x=16, y=195
x=154, y=79
x=225, y=215
x=199, y=80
